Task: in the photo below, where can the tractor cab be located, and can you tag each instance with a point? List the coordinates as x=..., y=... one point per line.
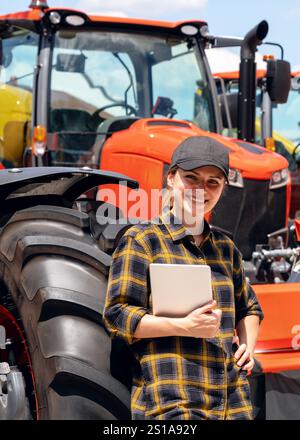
x=83, y=78
x=120, y=94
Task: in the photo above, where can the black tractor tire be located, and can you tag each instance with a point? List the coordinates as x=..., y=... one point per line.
x=56, y=274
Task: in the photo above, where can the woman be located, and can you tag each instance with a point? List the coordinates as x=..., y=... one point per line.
x=187, y=367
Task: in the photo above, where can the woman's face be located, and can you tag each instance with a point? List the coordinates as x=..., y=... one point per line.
x=209, y=179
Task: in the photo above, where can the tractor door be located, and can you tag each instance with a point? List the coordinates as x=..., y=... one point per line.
x=19, y=54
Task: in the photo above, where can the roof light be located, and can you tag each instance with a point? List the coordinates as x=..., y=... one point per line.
x=38, y=4
x=204, y=31
x=75, y=20
x=295, y=82
x=268, y=57
x=54, y=17
x=189, y=30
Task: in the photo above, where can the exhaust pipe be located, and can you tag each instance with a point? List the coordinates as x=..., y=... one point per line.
x=247, y=83
x=253, y=39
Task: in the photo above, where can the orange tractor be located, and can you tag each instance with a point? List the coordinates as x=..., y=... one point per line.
x=85, y=98
x=276, y=124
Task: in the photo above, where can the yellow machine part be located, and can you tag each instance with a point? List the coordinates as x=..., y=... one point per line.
x=288, y=145
x=15, y=117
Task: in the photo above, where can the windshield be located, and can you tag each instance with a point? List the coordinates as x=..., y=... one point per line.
x=287, y=116
x=285, y=123
x=284, y=118
x=97, y=76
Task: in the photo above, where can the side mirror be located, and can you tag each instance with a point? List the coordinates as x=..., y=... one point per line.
x=70, y=63
x=278, y=80
x=5, y=57
x=161, y=52
x=164, y=106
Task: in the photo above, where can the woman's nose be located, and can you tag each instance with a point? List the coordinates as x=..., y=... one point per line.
x=200, y=185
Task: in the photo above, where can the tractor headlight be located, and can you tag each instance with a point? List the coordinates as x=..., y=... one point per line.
x=235, y=178
x=279, y=178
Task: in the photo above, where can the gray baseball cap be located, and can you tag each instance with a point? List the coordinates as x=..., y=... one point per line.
x=200, y=151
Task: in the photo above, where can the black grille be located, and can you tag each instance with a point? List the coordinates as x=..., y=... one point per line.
x=250, y=213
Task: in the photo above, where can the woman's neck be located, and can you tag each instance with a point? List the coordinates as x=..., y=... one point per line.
x=198, y=239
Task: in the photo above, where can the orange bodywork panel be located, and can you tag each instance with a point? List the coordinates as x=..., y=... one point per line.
x=297, y=228
x=144, y=152
x=278, y=346
x=276, y=362
x=34, y=14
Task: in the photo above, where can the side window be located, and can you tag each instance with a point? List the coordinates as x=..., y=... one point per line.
x=179, y=80
x=16, y=84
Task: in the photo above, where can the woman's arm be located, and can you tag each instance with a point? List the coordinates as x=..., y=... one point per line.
x=247, y=332
x=246, y=302
x=126, y=312
x=203, y=322
x=248, y=314
x=127, y=291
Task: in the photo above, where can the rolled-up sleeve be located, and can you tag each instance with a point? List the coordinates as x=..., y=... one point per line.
x=127, y=292
x=246, y=302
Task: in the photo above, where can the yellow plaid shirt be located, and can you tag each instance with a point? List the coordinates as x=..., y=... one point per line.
x=175, y=377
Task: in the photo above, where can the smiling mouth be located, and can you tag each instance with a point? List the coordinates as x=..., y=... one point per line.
x=195, y=200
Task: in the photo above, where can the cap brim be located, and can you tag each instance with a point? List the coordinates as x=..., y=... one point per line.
x=189, y=165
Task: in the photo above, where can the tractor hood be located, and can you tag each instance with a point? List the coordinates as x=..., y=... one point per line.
x=157, y=139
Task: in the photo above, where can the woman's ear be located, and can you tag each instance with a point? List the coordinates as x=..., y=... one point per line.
x=170, y=179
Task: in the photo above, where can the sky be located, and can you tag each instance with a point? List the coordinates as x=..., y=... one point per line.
x=230, y=17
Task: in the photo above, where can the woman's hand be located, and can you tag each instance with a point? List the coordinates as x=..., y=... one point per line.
x=244, y=358
x=203, y=322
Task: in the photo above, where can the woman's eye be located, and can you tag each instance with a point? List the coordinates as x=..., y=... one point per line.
x=191, y=177
x=213, y=183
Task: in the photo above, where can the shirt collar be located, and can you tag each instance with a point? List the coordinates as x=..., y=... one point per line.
x=176, y=229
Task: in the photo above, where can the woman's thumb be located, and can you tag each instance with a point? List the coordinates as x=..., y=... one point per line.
x=208, y=307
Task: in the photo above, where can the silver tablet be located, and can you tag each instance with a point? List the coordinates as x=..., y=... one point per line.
x=177, y=289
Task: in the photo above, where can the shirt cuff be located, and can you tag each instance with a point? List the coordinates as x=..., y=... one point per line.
x=126, y=323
